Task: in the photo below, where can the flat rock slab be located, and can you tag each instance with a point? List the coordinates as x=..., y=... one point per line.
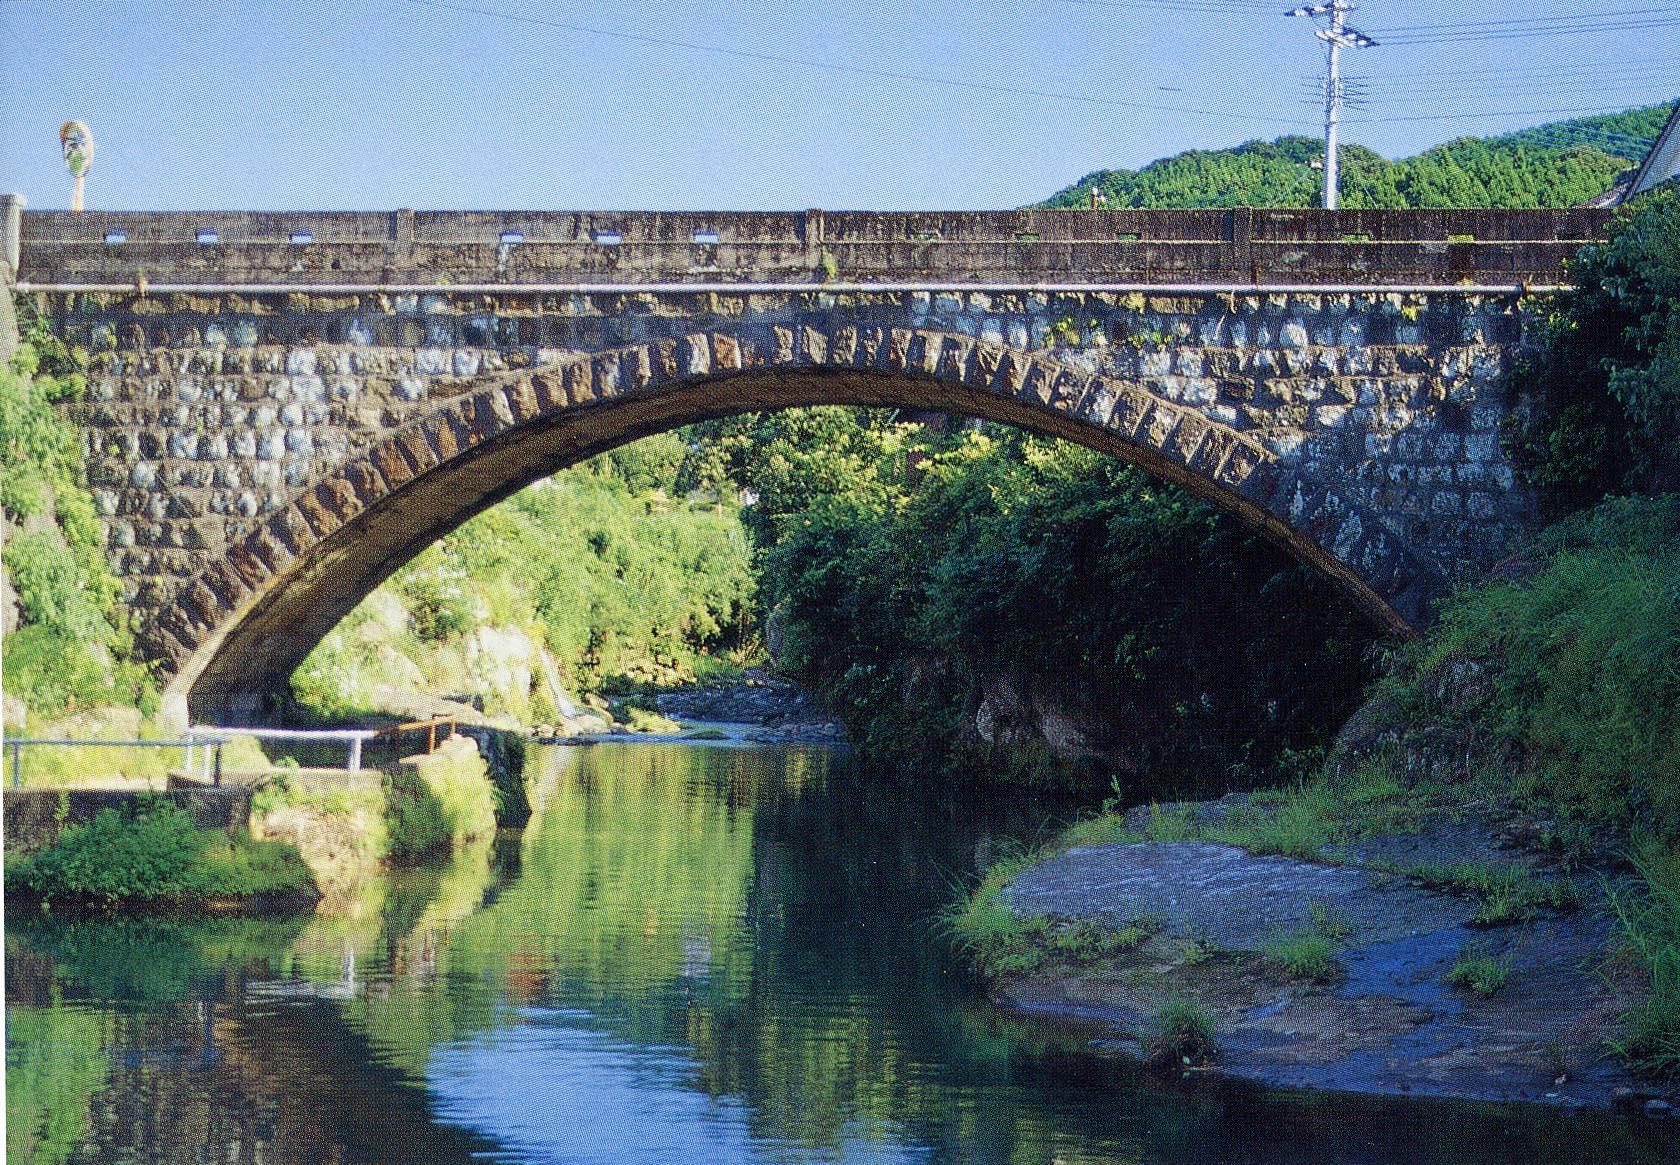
x=1390, y=1023
x=1226, y=896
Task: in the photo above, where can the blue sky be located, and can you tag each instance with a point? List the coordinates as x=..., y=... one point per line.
x=361, y=104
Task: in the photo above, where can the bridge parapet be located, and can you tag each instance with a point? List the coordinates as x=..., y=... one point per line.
x=1113, y=248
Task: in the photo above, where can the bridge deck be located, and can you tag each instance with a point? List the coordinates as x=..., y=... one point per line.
x=545, y=249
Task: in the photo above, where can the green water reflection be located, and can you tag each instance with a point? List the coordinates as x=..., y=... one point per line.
x=691, y=954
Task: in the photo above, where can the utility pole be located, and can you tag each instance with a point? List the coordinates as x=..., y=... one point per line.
x=1337, y=37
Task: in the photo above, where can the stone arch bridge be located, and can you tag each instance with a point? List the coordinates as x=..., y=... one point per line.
x=283, y=408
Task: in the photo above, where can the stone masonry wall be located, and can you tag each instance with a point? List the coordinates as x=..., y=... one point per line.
x=206, y=416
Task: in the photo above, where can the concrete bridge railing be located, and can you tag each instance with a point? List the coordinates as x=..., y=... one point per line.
x=1239, y=246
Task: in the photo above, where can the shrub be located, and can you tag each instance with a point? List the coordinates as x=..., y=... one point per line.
x=1607, y=376
x=1181, y=1036
x=156, y=855
x=72, y=641
x=918, y=569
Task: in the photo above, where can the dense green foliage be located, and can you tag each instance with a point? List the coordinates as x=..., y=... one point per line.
x=605, y=565
x=1607, y=378
x=439, y=803
x=1525, y=169
x=911, y=567
x=1564, y=685
x=71, y=639
x=155, y=856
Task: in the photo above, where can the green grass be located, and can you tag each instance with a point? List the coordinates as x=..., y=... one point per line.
x=988, y=930
x=1310, y=952
x=1002, y=943
x=1505, y=893
x=1196, y=951
x=1107, y=829
x=1303, y=827
x=642, y=719
x=1308, y=820
x=1649, y=915
x=1305, y=954
x=1174, y=824
x=1328, y=921
x=155, y=855
x=1479, y=972
x=1561, y=689
x=1181, y=1036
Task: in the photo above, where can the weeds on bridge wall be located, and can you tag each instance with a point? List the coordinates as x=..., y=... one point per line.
x=69, y=647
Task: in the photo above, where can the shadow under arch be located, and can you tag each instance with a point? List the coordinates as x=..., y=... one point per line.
x=240, y=632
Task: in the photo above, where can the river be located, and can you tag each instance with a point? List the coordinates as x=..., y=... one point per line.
x=694, y=953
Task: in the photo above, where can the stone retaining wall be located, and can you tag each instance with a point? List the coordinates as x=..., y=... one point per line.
x=35, y=817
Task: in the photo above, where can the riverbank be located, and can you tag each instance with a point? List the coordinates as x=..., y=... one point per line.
x=276, y=840
x=1419, y=945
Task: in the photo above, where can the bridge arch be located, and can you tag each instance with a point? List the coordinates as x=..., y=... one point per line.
x=257, y=611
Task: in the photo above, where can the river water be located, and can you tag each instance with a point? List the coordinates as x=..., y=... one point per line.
x=694, y=953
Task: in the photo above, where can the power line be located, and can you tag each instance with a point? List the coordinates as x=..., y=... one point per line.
x=1505, y=71
x=1625, y=89
x=1433, y=81
x=854, y=70
x=1493, y=113
x=1157, y=5
x=1560, y=18
x=1520, y=34
x=1256, y=8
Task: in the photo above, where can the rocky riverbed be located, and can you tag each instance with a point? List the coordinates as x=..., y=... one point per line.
x=1381, y=1013
x=760, y=708
x=771, y=709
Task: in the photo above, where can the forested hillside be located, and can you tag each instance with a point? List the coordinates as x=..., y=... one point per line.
x=1561, y=164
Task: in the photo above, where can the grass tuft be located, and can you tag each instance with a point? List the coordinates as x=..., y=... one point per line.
x=1305, y=954
x=1479, y=972
x=1181, y=1036
x=1650, y=924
